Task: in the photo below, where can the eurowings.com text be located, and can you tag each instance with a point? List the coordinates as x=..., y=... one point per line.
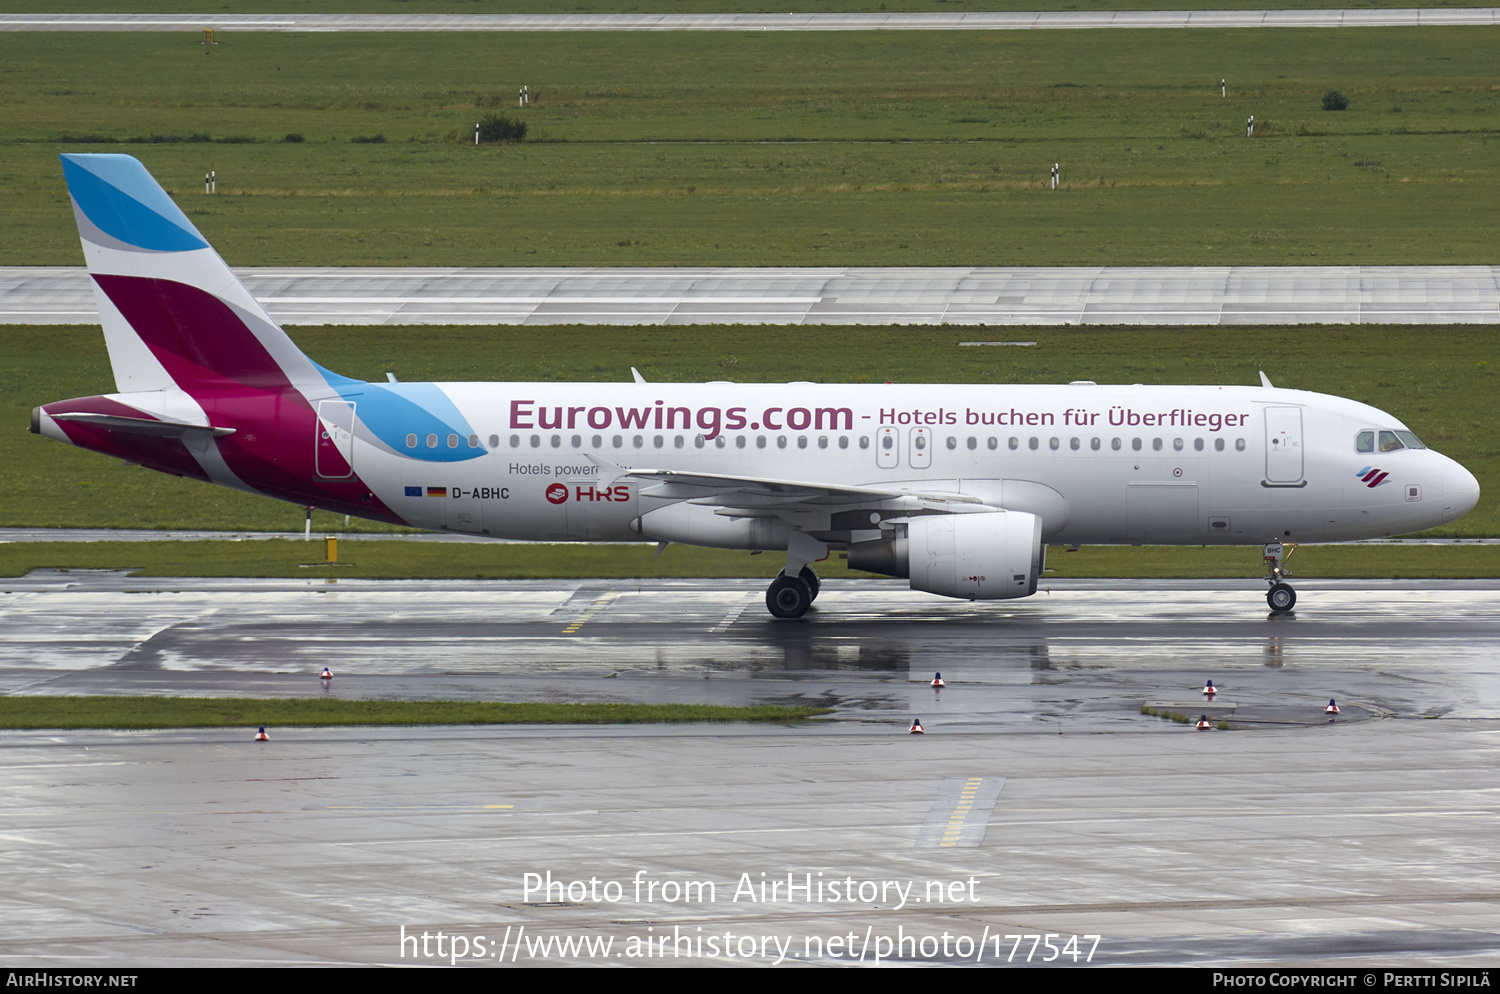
x=521, y=944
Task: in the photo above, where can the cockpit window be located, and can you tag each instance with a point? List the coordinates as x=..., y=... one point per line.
x=1412, y=441
x=1364, y=442
x=1389, y=442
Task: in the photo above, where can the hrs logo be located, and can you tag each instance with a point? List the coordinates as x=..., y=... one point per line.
x=558, y=493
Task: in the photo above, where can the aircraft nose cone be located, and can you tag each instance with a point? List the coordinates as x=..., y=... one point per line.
x=1460, y=492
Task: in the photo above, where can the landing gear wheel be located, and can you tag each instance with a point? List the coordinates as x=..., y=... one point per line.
x=1281, y=597
x=810, y=578
x=788, y=597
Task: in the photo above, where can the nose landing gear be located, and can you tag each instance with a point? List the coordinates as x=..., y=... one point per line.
x=1281, y=597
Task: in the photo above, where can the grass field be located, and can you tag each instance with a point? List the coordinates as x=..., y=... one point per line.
x=880, y=148
x=375, y=560
x=1440, y=381
x=230, y=712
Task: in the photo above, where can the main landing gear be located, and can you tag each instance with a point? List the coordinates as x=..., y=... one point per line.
x=796, y=586
x=790, y=596
x=1281, y=597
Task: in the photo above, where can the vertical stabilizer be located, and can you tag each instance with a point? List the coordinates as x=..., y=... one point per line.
x=174, y=315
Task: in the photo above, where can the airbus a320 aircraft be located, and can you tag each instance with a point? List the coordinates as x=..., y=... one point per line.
x=957, y=488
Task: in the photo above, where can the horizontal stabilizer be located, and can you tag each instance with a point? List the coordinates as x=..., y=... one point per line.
x=143, y=426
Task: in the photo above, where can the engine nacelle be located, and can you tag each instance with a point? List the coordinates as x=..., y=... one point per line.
x=987, y=556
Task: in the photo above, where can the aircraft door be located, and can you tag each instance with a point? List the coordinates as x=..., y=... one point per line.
x=1284, y=446
x=1163, y=512
x=887, y=448
x=333, y=445
x=921, y=448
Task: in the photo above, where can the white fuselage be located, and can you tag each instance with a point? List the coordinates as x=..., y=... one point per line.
x=1097, y=464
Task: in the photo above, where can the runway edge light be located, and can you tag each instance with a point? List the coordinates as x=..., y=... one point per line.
x=916, y=726
x=261, y=735
x=937, y=681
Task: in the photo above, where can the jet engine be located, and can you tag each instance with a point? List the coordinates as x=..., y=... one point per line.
x=985, y=556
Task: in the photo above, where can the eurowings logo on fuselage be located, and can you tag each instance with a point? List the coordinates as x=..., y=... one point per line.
x=1372, y=476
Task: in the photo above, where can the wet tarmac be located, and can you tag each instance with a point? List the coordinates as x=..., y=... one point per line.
x=1039, y=799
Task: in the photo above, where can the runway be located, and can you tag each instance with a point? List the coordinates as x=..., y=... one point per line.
x=789, y=21
x=1039, y=799
x=1200, y=295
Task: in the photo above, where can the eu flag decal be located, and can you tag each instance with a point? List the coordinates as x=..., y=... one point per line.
x=413, y=491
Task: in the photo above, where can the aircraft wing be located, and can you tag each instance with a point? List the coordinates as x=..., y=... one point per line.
x=763, y=497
